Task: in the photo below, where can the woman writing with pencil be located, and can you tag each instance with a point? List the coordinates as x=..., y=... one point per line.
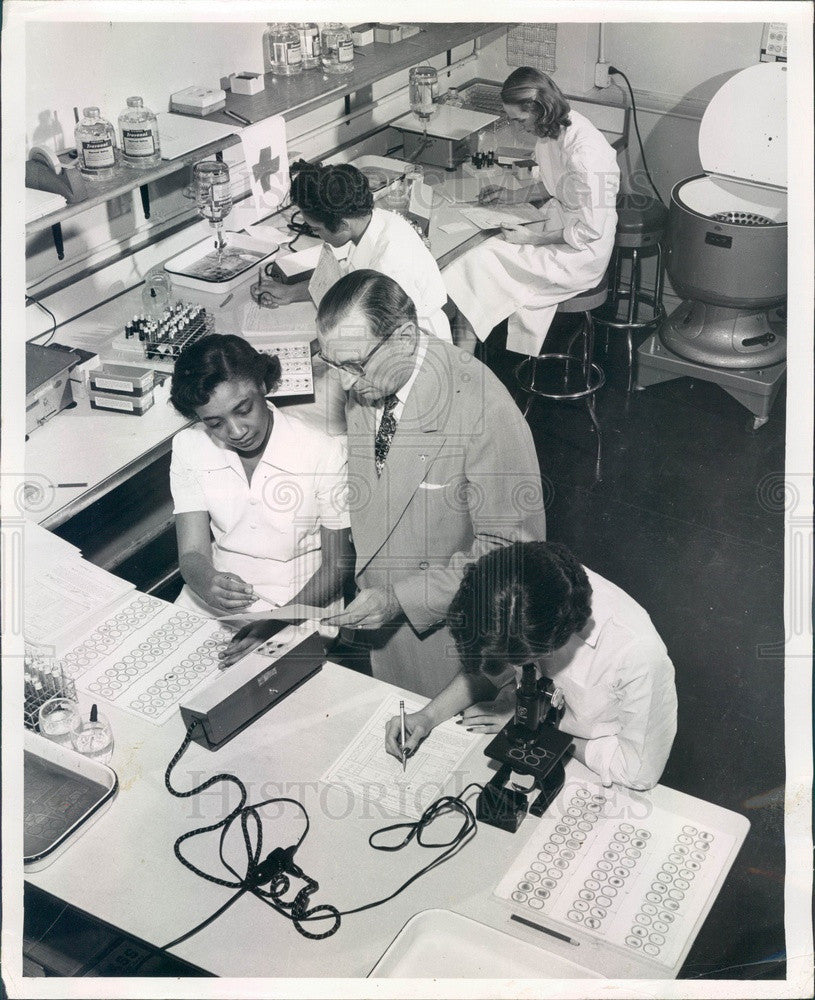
x=259, y=497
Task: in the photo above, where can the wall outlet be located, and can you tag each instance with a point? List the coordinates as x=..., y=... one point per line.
x=601, y=77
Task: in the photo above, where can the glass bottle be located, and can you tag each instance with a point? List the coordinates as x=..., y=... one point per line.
x=138, y=129
x=310, y=44
x=453, y=98
x=337, y=48
x=213, y=193
x=95, y=144
x=282, y=54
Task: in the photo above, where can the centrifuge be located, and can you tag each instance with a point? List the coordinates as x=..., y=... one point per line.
x=727, y=248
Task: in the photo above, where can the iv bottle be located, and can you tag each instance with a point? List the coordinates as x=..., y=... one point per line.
x=95, y=144
x=213, y=193
x=138, y=129
x=282, y=54
x=337, y=48
x=310, y=44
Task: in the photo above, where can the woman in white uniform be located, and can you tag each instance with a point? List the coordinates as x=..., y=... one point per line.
x=524, y=272
x=259, y=497
x=595, y=651
x=336, y=202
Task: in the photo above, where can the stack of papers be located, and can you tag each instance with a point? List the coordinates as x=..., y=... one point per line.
x=63, y=595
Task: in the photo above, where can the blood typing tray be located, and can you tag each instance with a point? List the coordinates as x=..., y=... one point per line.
x=637, y=871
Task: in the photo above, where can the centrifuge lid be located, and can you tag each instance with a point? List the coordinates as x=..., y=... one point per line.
x=743, y=133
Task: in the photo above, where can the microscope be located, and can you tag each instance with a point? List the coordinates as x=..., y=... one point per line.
x=528, y=745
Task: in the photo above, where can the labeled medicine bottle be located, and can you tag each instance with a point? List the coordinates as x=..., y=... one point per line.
x=95, y=144
x=282, y=54
x=337, y=48
x=138, y=130
x=310, y=44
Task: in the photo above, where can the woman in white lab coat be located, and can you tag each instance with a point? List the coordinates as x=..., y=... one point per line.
x=604, y=669
x=525, y=271
x=259, y=496
x=336, y=202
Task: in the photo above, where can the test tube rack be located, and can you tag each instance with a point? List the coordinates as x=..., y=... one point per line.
x=162, y=338
x=44, y=679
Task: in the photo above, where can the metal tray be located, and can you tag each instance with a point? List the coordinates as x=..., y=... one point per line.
x=63, y=792
x=440, y=944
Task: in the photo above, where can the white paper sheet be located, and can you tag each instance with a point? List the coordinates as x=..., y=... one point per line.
x=493, y=218
x=285, y=613
x=367, y=770
x=147, y=657
x=327, y=273
x=63, y=596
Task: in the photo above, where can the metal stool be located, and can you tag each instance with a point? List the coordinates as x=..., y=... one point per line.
x=579, y=377
x=641, y=225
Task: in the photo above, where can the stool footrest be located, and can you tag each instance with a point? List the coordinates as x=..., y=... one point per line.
x=592, y=381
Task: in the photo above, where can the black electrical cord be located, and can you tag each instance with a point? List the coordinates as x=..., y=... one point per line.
x=45, y=309
x=619, y=72
x=278, y=867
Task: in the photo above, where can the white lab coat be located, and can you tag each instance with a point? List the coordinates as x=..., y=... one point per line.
x=266, y=531
x=392, y=246
x=498, y=279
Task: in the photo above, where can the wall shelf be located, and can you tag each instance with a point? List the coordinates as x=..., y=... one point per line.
x=295, y=96
x=126, y=180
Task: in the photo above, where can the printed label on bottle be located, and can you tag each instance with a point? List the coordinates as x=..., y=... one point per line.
x=287, y=53
x=97, y=153
x=345, y=50
x=311, y=46
x=221, y=195
x=138, y=142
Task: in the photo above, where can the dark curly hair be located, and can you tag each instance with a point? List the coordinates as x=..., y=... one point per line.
x=207, y=362
x=533, y=91
x=516, y=603
x=332, y=193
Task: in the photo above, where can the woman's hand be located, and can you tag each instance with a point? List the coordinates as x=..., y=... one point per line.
x=490, y=716
x=518, y=235
x=244, y=640
x=417, y=728
x=272, y=294
x=492, y=195
x=227, y=592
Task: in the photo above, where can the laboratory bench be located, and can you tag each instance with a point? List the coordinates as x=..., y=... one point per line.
x=122, y=870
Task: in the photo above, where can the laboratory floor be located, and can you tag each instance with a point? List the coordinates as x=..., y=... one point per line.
x=689, y=520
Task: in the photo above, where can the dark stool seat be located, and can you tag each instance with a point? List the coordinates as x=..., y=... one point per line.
x=641, y=223
x=570, y=376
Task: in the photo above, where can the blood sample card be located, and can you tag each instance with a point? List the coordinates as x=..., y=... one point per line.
x=614, y=865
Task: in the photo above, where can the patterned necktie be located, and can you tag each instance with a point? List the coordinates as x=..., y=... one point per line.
x=384, y=435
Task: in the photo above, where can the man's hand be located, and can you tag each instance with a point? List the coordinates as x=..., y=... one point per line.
x=417, y=728
x=244, y=640
x=227, y=592
x=371, y=608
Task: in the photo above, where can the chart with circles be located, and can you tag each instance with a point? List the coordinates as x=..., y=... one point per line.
x=147, y=656
x=611, y=864
x=296, y=377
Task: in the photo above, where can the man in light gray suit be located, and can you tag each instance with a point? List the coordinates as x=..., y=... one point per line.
x=441, y=468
